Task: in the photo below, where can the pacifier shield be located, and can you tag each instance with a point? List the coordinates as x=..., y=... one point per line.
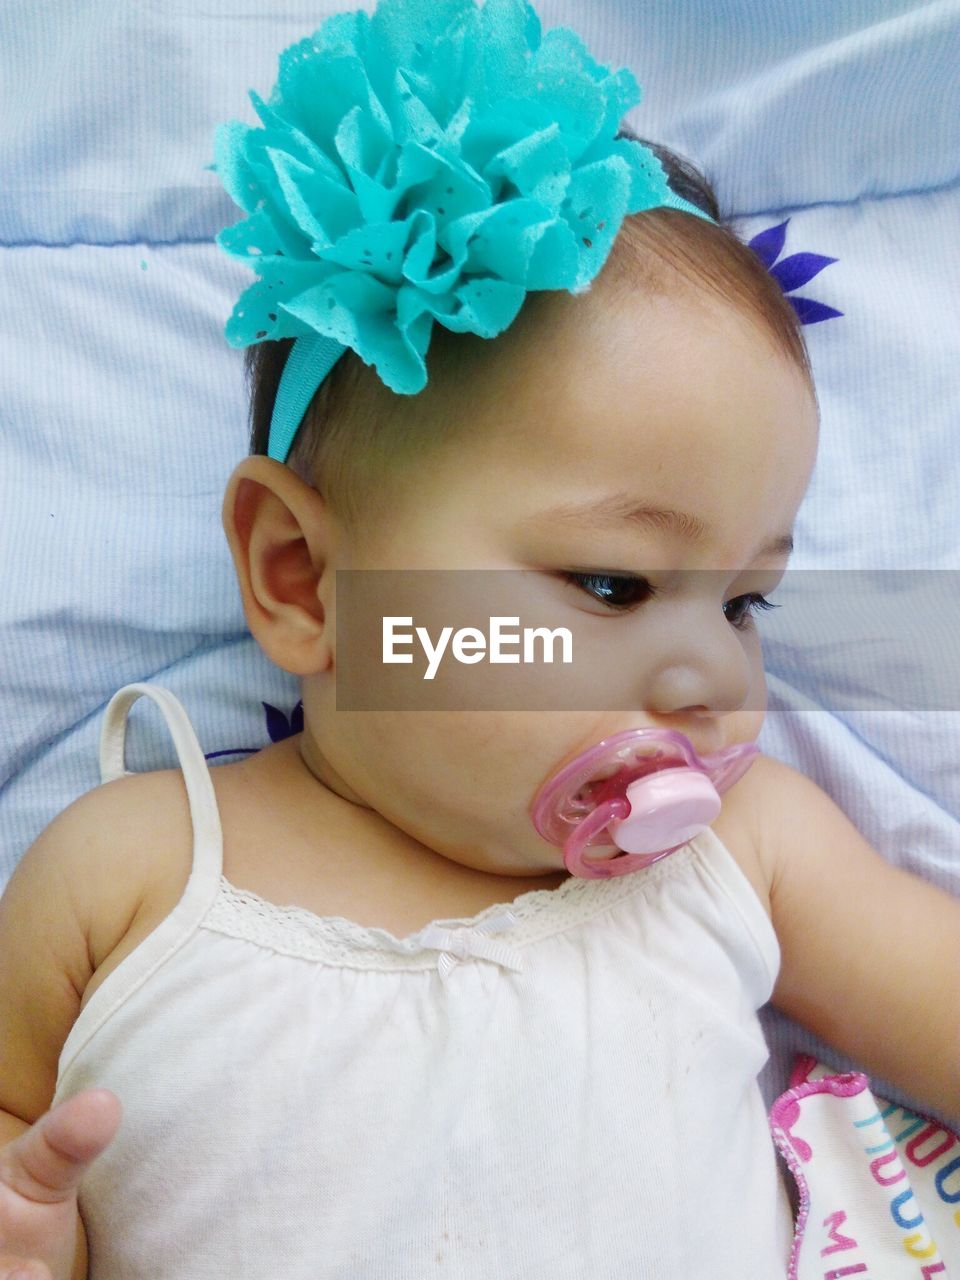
x=633, y=798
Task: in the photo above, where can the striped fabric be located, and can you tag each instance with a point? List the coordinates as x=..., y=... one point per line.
x=122, y=409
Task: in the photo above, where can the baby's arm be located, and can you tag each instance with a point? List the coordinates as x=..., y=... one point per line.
x=870, y=953
x=64, y=907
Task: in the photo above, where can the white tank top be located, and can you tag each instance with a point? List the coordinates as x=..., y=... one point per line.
x=563, y=1087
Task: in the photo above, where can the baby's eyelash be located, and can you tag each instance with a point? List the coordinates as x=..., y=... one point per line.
x=618, y=591
x=742, y=615
x=621, y=592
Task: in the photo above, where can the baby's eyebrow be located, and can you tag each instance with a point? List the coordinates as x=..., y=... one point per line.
x=621, y=507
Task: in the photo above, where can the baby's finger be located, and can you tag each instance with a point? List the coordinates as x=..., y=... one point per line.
x=47, y=1162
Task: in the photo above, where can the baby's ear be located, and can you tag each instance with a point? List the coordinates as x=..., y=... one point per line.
x=281, y=536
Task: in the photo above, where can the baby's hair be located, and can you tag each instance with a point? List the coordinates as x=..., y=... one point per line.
x=358, y=434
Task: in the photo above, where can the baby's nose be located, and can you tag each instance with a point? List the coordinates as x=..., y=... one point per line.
x=706, y=671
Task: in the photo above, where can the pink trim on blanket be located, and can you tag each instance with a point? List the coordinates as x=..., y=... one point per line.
x=784, y=1114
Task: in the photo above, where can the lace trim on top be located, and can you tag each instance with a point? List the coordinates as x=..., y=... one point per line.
x=537, y=914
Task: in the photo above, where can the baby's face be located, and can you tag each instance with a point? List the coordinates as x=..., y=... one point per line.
x=679, y=408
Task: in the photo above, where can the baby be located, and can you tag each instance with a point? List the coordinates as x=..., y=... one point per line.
x=361, y=1019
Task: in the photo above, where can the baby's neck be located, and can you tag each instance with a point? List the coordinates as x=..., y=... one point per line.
x=292, y=840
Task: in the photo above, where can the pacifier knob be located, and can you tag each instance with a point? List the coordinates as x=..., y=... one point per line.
x=667, y=808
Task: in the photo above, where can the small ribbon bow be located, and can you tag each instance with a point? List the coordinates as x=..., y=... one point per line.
x=455, y=945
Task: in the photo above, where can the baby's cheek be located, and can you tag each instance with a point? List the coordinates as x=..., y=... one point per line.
x=756, y=699
x=744, y=726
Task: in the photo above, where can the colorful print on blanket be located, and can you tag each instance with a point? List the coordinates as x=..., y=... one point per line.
x=879, y=1185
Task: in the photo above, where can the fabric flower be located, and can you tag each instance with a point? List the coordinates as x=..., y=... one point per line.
x=431, y=162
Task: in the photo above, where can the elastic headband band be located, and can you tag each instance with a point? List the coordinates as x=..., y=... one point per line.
x=310, y=360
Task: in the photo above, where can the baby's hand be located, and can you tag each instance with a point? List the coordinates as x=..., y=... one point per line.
x=39, y=1175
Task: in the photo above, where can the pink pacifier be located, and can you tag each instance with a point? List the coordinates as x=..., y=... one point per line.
x=644, y=791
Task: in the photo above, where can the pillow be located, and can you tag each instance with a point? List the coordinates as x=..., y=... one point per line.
x=830, y=132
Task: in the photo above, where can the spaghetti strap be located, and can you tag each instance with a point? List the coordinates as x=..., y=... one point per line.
x=203, y=885
x=204, y=814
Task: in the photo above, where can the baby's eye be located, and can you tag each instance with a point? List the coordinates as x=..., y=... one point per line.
x=616, y=591
x=740, y=611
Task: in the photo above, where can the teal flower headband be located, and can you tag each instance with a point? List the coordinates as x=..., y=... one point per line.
x=431, y=162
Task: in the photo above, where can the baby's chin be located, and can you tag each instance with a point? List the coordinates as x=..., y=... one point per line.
x=514, y=850
x=545, y=867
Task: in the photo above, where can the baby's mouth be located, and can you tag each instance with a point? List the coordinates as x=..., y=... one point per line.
x=633, y=798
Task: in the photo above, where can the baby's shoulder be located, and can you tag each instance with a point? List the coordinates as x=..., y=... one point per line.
x=123, y=853
x=86, y=891
x=752, y=816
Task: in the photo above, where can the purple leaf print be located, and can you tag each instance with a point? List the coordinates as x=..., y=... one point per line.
x=792, y=272
x=796, y=270
x=768, y=245
x=278, y=726
x=811, y=312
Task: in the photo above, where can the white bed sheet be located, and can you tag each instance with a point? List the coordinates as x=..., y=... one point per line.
x=122, y=410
